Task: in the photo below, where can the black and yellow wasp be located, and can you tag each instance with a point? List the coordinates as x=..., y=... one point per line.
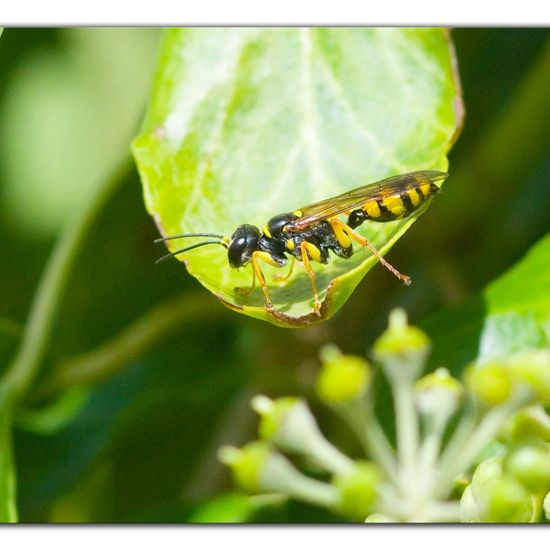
x=310, y=233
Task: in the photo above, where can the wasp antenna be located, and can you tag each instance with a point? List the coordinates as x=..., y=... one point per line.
x=186, y=249
x=163, y=239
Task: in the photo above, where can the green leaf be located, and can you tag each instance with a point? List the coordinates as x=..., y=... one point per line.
x=512, y=313
x=245, y=124
x=230, y=508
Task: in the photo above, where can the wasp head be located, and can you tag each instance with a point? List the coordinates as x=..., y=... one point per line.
x=242, y=244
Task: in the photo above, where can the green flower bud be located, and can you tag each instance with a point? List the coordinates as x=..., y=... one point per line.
x=532, y=369
x=531, y=466
x=546, y=506
x=529, y=424
x=400, y=338
x=342, y=377
x=469, y=512
x=402, y=350
x=358, y=490
x=494, y=497
x=247, y=464
x=485, y=472
x=438, y=393
x=273, y=414
x=505, y=501
x=259, y=469
x=489, y=382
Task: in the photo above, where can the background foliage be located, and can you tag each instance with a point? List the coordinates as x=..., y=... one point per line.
x=136, y=439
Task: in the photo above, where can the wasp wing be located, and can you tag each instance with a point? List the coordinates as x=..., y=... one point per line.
x=355, y=198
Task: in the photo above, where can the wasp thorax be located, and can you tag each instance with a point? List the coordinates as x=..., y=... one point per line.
x=243, y=243
x=276, y=224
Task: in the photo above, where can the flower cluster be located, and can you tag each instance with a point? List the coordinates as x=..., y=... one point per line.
x=475, y=451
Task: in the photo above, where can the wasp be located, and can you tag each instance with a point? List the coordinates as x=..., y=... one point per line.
x=310, y=233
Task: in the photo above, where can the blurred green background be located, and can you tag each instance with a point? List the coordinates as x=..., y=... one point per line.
x=139, y=443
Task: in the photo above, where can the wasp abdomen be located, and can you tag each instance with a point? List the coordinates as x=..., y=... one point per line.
x=393, y=206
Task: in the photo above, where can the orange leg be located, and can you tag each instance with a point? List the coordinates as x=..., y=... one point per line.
x=283, y=278
x=307, y=249
x=338, y=224
x=247, y=291
x=260, y=276
x=257, y=273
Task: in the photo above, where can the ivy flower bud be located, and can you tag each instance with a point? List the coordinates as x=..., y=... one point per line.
x=247, y=464
x=258, y=468
x=505, y=501
x=358, y=490
x=438, y=394
x=402, y=349
x=531, y=466
x=485, y=472
x=342, y=377
x=274, y=414
x=532, y=369
x=489, y=382
x=495, y=497
x=528, y=424
x=288, y=423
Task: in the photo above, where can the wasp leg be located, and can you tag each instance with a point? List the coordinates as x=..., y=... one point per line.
x=247, y=291
x=283, y=278
x=338, y=225
x=259, y=274
x=307, y=250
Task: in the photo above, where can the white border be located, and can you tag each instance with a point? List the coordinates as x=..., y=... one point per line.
x=279, y=12
x=282, y=12
x=273, y=537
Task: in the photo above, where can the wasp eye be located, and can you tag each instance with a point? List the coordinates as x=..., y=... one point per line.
x=243, y=243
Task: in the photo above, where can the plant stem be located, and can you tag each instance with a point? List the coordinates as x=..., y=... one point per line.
x=38, y=329
x=429, y=450
x=133, y=341
x=379, y=447
x=8, y=509
x=371, y=436
x=538, y=501
x=406, y=419
x=24, y=367
x=481, y=436
x=461, y=434
x=280, y=476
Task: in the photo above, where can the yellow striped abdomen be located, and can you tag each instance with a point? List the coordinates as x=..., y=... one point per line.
x=394, y=204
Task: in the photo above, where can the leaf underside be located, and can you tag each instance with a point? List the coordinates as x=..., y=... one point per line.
x=247, y=123
x=510, y=315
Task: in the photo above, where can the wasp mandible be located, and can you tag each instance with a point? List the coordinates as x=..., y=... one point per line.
x=310, y=233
